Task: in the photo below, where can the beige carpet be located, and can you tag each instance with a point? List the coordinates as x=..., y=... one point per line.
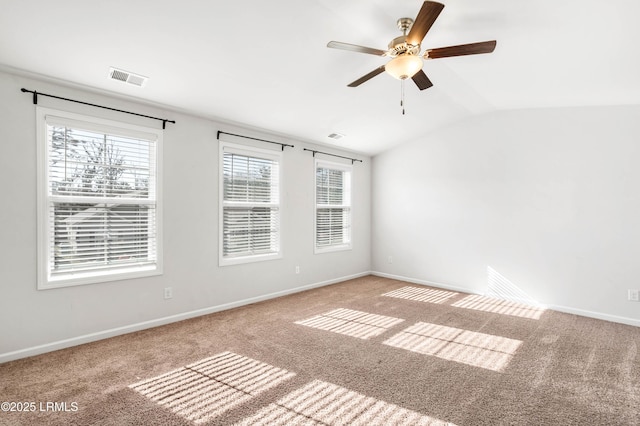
x=368, y=351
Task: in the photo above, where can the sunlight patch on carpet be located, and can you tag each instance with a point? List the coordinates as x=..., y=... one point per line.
x=428, y=295
x=499, y=306
x=322, y=403
x=209, y=387
x=362, y=325
x=455, y=344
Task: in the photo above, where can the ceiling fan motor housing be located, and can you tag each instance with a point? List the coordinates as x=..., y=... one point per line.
x=399, y=46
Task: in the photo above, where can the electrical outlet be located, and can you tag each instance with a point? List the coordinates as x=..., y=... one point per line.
x=297, y=269
x=634, y=295
x=168, y=292
x=390, y=259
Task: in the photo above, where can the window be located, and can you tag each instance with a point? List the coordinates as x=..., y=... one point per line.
x=250, y=200
x=333, y=207
x=99, y=205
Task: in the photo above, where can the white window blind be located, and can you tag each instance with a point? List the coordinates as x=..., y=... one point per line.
x=99, y=210
x=333, y=207
x=250, y=204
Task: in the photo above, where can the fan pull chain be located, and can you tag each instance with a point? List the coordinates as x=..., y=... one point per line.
x=402, y=95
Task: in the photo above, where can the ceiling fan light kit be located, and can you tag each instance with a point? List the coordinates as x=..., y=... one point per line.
x=404, y=66
x=405, y=50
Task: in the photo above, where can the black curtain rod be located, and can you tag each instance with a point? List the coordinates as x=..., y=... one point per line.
x=282, y=145
x=353, y=160
x=35, y=102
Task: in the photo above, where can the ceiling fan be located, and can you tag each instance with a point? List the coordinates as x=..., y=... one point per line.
x=404, y=50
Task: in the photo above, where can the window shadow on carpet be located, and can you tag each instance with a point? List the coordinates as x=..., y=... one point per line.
x=454, y=344
x=428, y=295
x=499, y=306
x=362, y=325
x=322, y=403
x=205, y=389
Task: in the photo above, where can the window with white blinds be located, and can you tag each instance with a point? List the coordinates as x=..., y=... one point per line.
x=250, y=200
x=99, y=206
x=333, y=207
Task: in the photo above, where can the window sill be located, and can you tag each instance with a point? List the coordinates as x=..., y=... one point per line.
x=331, y=249
x=83, y=278
x=228, y=261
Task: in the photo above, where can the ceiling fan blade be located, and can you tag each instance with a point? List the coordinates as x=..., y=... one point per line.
x=367, y=77
x=421, y=80
x=426, y=17
x=461, y=50
x=356, y=48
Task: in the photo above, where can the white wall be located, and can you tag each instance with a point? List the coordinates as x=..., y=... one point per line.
x=37, y=321
x=549, y=199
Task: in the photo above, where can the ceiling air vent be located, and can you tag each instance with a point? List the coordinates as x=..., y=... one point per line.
x=127, y=77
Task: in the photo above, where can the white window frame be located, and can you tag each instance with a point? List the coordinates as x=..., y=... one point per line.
x=254, y=152
x=347, y=203
x=45, y=278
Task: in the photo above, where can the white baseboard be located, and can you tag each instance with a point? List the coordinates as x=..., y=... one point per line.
x=87, y=338
x=423, y=282
x=565, y=309
x=596, y=315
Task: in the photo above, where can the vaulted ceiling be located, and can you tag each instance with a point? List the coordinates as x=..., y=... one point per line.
x=265, y=63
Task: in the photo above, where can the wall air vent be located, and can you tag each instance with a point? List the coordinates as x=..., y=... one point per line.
x=127, y=77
